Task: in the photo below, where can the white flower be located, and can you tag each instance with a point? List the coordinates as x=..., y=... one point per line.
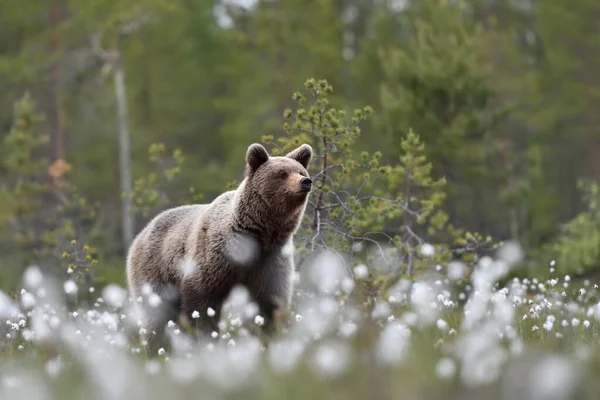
x=427, y=250
x=114, y=295
x=33, y=277
x=195, y=314
x=152, y=367
x=445, y=368
x=393, y=343
x=332, y=359
x=382, y=309
x=361, y=271
x=154, y=300
x=27, y=300
x=347, y=284
x=70, y=287
x=442, y=325
x=259, y=320
x=210, y=312
x=456, y=270
x=348, y=329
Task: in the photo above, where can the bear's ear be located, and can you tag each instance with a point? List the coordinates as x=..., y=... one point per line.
x=302, y=154
x=256, y=156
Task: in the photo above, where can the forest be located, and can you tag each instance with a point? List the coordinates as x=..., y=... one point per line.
x=454, y=220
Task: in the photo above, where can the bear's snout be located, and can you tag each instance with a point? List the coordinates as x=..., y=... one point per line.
x=306, y=183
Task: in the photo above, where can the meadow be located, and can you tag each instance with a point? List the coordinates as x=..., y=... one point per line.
x=450, y=247
x=449, y=334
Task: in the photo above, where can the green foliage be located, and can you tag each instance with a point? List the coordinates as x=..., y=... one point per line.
x=357, y=200
x=46, y=211
x=504, y=104
x=576, y=248
x=156, y=191
x=436, y=81
x=22, y=155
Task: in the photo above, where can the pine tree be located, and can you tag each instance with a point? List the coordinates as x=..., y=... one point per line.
x=378, y=213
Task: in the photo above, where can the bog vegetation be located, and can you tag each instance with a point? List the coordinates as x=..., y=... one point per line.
x=452, y=238
x=390, y=299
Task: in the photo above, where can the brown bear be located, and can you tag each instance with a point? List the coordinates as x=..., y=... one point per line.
x=192, y=256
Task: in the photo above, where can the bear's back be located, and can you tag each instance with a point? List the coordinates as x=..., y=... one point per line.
x=160, y=246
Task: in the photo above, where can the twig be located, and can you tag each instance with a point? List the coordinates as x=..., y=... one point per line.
x=354, y=238
x=106, y=56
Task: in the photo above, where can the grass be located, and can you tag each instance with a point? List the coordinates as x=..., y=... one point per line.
x=429, y=338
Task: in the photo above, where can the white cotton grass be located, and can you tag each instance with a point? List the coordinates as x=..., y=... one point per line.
x=114, y=295
x=510, y=252
x=8, y=309
x=347, y=285
x=239, y=307
x=480, y=328
x=229, y=369
x=445, y=368
x=70, y=287
x=27, y=300
x=188, y=266
x=393, y=344
x=154, y=300
x=331, y=359
x=32, y=277
x=317, y=317
x=327, y=272
x=242, y=250
x=456, y=270
x=361, y=271
x=381, y=310
x=259, y=320
x=423, y=298
x=427, y=250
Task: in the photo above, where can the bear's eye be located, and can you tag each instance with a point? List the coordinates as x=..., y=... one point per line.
x=283, y=175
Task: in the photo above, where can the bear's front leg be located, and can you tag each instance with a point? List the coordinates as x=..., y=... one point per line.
x=201, y=306
x=271, y=287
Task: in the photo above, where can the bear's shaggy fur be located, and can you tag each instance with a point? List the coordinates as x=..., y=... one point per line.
x=192, y=256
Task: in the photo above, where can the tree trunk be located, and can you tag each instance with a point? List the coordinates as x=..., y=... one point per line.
x=127, y=220
x=59, y=138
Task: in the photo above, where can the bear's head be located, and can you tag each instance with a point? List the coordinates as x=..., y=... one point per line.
x=282, y=182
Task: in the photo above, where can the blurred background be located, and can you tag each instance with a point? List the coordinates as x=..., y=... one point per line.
x=103, y=97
